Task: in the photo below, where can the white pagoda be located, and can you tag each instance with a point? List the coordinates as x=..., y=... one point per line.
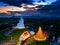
x=20, y=24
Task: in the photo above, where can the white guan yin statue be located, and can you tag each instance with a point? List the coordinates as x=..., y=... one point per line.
x=20, y=24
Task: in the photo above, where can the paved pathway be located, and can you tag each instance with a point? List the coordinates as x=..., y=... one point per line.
x=9, y=32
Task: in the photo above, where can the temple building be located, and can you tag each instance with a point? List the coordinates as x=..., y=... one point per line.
x=24, y=35
x=40, y=35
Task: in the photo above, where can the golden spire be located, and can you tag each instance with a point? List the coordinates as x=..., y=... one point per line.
x=40, y=36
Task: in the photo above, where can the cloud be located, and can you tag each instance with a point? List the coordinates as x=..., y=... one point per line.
x=2, y=4
x=41, y=3
x=9, y=9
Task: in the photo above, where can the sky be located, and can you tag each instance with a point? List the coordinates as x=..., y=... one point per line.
x=18, y=2
x=2, y=4
x=46, y=0
x=15, y=8
x=50, y=0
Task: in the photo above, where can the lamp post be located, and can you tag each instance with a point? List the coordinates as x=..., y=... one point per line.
x=11, y=40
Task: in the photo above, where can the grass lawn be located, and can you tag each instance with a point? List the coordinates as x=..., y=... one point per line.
x=16, y=34
x=9, y=22
x=2, y=37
